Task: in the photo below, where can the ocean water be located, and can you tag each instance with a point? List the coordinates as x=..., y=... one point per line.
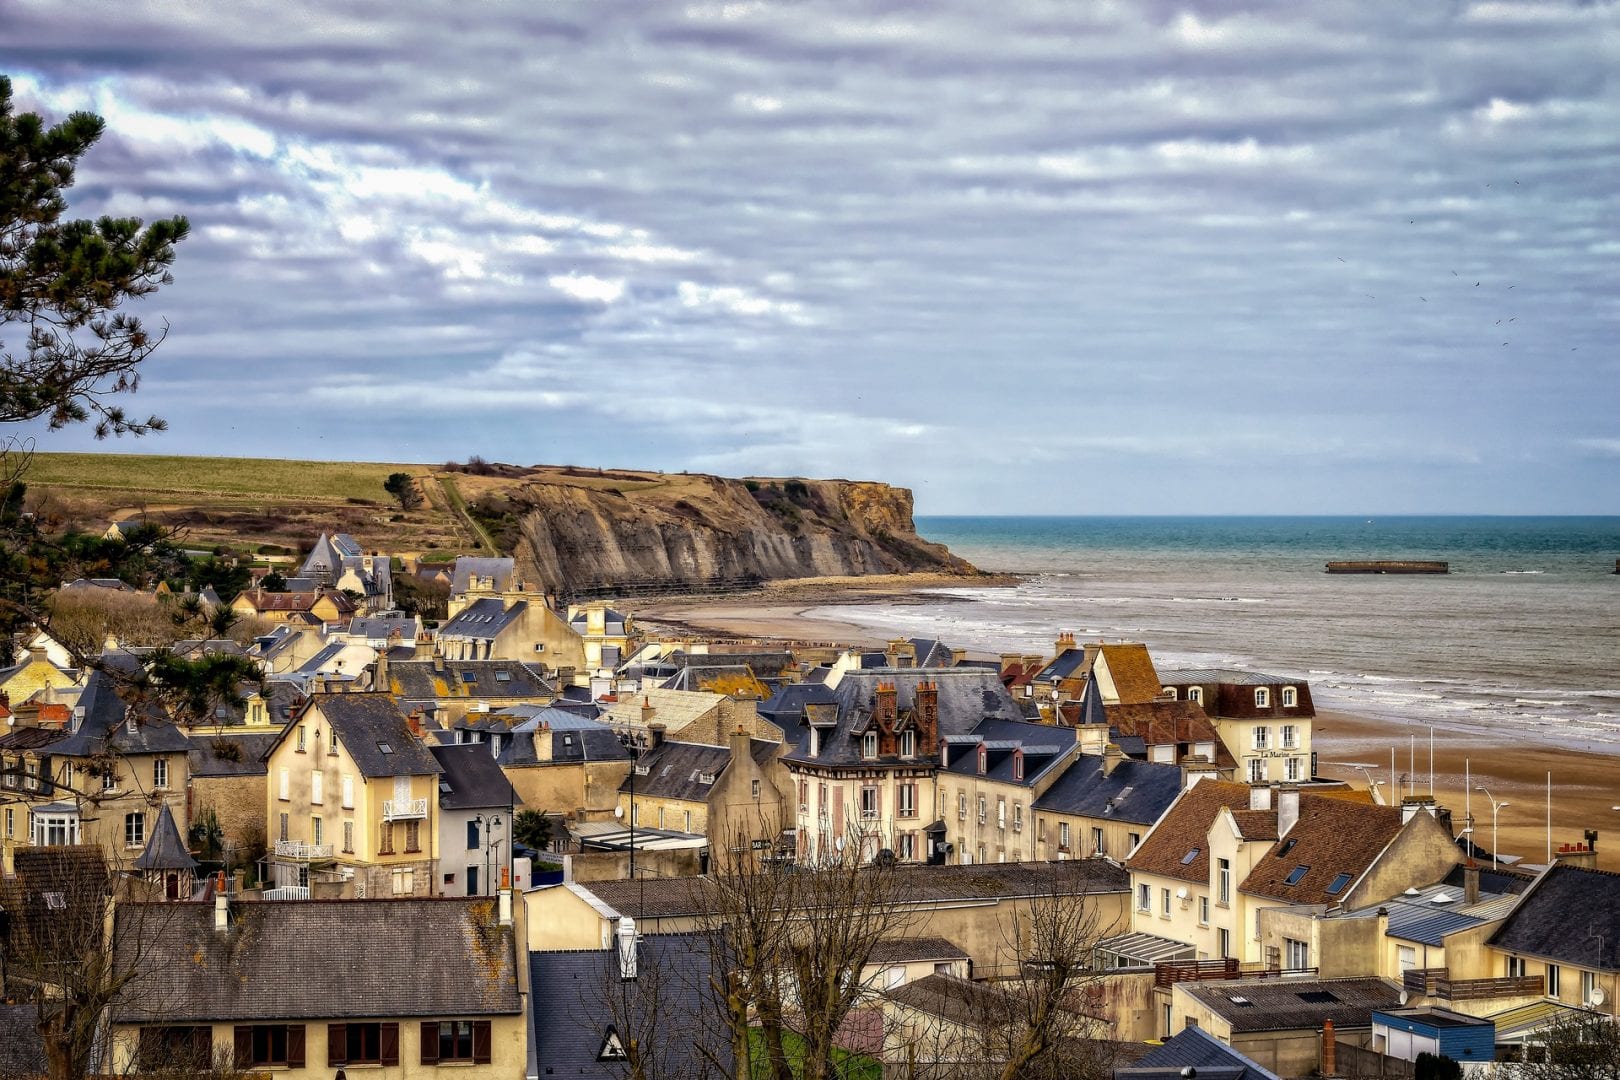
x=1522, y=636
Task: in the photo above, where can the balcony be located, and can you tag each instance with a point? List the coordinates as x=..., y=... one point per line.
x=1168, y=973
x=401, y=809
x=1436, y=982
x=287, y=892
x=302, y=850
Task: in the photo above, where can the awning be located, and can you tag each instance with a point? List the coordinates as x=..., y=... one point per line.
x=1520, y=1024
x=611, y=836
x=1145, y=949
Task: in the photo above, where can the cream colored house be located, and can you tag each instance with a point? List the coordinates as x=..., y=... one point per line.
x=315, y=988
x=352, y=799
x=1263, y=720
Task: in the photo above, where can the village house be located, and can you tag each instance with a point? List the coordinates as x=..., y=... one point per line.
x=33, y=673
x=687, y=715
x=397, y=989
x=733, y=794
x=310, y=608
x=562, y=761
x=609, y=637
x=1279, y=1022
x=353, y=800
x=506, y=628
x=338, y=562
x=989, y=781
x=476, y=806
x=473, y=576
x=99, y=778
x=1264, y=721
x=1103, y=804
x=445, y=691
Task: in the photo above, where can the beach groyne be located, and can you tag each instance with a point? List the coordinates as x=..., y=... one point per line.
x=1389, y=566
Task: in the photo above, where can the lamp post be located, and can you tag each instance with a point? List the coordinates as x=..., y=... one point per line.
x=1496, y=810
x=486, y=836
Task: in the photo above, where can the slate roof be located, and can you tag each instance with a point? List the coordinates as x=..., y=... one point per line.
x=204, y=759
x=932, y=653
x=1222, y=676
x=1194, y=1048
x=296, y=601
x=316, y=959
x=165, y=850
x=1331, y=837
x=914, y=949
x=468, y=567
x=104, y=723
x=1567, y=916
x=1184, y=829
x=384, y=624
x=1066, y=665
x=673, y=770
x=574, y=738
x=1293, y=1004
x=1044, y=748
x=569, y=1010
x=471, y=779
x=419, y=681
x=483, y=619
x=967, y=697
x=366, y=724
x=1137, y=791
x=22, y=1050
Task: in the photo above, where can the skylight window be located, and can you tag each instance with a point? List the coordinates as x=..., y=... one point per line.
x=1318, y=997
x=1186, y=860
x=469, y=676
x=1288, y=845
x=503, y=676
x=1243, y=1001
x=1296, y=875
x=1338, y=884
x=385, y=748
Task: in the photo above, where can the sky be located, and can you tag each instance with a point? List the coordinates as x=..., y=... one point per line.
x=1021, y=257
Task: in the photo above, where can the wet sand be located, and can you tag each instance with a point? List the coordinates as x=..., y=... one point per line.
x=1585, y=785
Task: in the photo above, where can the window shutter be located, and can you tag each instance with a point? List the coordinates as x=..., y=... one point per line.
x=389, y=1042
x=244, y=1047
x=295, y=1046
x=337, y=1044
x=481, y=1042
x=430, y=1042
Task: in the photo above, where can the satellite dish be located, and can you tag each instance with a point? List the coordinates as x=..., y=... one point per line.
x=1596, y=997
x=1403, y=997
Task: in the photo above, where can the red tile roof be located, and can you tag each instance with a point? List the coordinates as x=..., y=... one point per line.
x=1160, y=722
x=1185, y=828
x=1331, y=837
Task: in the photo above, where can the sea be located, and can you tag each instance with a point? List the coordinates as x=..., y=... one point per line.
x=1522, y=637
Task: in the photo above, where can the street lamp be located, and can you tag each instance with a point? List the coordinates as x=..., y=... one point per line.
x=1496, y=809
x=487, y=836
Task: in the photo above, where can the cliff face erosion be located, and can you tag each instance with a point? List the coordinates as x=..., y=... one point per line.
x=597, y=531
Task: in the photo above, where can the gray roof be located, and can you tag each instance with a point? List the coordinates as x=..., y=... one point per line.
x=248, y=758
x=469, y=567
x=570, y=1011
x=165, y=850
x=914, y=949
x=104, y=725
x=492, y=679
x=374, y=731
x=471, y=779
x=22, y=1050
x=1221, y=676
x=315, y=959
x=385, y=623
x=1571, y=915
x=574, y=737
x=1043, y=746
x=482, y=619
x=675, y=770
x=1137, y=791
x=1194, y=1048
x=1065, y=664
x=1290, y=1004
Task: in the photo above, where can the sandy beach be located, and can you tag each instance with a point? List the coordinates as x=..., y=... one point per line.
x=1585, y=788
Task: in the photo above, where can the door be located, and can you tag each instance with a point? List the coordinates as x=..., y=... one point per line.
x=472, y=881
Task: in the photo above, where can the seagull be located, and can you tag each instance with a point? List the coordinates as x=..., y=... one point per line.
x=1336, y=257
x=1425, y=299
x=1498, y=322
x=1514, y=319
x=1454, y=273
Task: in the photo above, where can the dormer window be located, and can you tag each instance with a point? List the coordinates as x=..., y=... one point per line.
x=984, y=760
x=869, y=745
x=908, y=744
x=1290, y=697
x=1262, y=698
x=1018, y=765
x=815, y=742
x=1195, y=693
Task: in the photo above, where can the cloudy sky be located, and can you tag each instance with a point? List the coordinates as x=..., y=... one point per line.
x=1023, y=257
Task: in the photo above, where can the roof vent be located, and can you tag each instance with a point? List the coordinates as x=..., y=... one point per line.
x=1442, y=898
x=1411, y=892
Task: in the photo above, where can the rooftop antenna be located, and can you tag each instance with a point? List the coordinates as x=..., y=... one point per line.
x=1549, y=817
x=1431, y=761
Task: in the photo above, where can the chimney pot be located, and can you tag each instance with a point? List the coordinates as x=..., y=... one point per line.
x=627, y=948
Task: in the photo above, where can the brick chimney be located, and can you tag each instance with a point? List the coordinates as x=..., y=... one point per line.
x=925, y=712
x=413, y=720
x=1063, y=644
x=648, y=712
x=1112, y=756
x=886, y=704
x=1330, y=1050
x=1471, y=882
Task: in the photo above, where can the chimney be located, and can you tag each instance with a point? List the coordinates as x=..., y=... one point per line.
x=422, y=648
x=925, y=713
x=505, y=896
x=438, y=661
x=655, y=734
x=1112, y=756
x=1093, y=738
x=222, y=910
x=380, y=679
x=741, y=743
x=1194, y=769
x=37, y=654
x=1471, y=882
x=1287, y=808
x=1330, y=1050
x=413, y=720
x=1259, y=796
x=627, y=948
x=886, y=704
x=1063, y=644
x=647, y=712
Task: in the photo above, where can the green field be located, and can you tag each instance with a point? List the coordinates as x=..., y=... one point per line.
x=158, y=474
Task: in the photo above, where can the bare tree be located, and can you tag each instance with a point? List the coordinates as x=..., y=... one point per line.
x=1580, y=1045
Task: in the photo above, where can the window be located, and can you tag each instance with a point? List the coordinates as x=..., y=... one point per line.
x=135, y=829
x=869, y=745
x=1203, y=911
x=1296, y=875
x=1018, y=817
x=1291, y=769
x=1257, y=770
x=1133, y=839
x=331, y=748
x=1552, y=980
x=908, y=800
x=1063, y=834
x=1001, y=814
x=961, y=805
x=908, y=744
x=315, y=787
x=1290, y=736
x=52, y=830
x=168, y=1047
x=284, y=792
x=1290, y=697
x=301, y=738
x=1298, y=954
x=1169, y=693
x=984, y=760
x=1262, y=737
x=869, y=801
x=1589, y=983
x=1223, y=942
x=686, y=821
x=1164, y=902
x=348, y=837
x=1406, y=957
x=1018, y=766
x=109, y=780
x=908, y=845
x=315, y=830
x=413, y=838
x=11, y=822
x=1097, y=841
x=31, y=776
x=472, y=836
x=1515, y=967
x=1195, y=693
x=271, y=1044
x=984, y=810
x=348, y=792
x=160, y=773
x=1262, y=698
x=1144, y=898
x=404, y=882
x=753, y=788
x=455, y=1040
x=1223, y=883
x=1338, y=884
x=362, y=1044
x=469, y=676
x=385, y=838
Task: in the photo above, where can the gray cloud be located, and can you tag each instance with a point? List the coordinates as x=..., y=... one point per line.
x=1033, y=256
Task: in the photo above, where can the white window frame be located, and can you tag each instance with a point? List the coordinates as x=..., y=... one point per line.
x=1195, y=693
x=284, y=787
x=160, y=774
x=1144, y=898
x=871, y=802
x=1297, y=954
x=1290, y=697
x=1291, y=769
x=869, y=745
x=1290, y=736
x=135, y=829
x=1203, y=910
x=1257, y=770
x=1262, y=697
x=1260, y=737
x=315, y=786
x=908, y=744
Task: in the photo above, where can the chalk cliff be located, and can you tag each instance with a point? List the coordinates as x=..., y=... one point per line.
x=598, y=531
